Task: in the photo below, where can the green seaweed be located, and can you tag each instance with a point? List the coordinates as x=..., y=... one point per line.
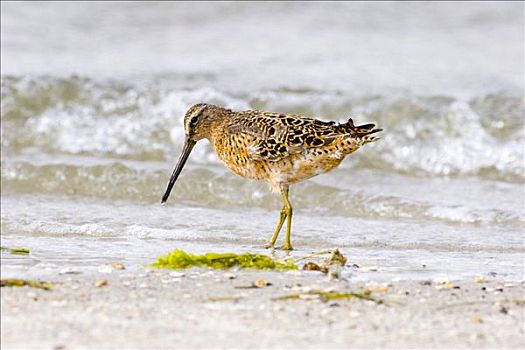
x=22, y=283
x=518, y=302
x=179, y=259
x=17, y=250
x=223, y=298
x=330, y=295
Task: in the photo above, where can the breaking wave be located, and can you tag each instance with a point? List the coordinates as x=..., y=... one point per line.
x=142, y=121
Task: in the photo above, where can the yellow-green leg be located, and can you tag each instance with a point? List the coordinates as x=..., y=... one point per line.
x=277, y=229
x=289, y=212
x=286, y=213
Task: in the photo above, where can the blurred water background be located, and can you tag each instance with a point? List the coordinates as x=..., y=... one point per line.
x=93, y=96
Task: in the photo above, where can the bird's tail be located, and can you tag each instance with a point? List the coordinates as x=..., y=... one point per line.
x=363, y=133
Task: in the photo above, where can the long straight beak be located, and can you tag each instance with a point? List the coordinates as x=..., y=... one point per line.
x=186, y=150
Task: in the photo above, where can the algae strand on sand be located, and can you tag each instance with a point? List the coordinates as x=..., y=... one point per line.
x=22, y=283
x=16, y=250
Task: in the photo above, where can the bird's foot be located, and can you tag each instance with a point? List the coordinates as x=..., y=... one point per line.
x=268, y=246
x=286, y=247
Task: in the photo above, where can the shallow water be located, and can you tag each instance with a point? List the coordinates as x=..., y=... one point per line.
x=92, y=126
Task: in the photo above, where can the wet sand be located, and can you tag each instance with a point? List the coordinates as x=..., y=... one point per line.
x=148, y=308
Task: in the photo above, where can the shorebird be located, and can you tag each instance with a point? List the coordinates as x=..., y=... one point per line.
x=281, y=149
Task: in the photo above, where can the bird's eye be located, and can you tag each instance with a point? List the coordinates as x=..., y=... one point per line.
x=193, y=120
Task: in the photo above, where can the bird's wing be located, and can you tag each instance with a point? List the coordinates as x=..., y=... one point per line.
x=276, y=136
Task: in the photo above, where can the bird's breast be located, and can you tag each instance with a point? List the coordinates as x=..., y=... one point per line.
x=235, y=155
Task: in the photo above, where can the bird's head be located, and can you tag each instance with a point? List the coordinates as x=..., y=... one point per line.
x=197, y=125
x=197, y=121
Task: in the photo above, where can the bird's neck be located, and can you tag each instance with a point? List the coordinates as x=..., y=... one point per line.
x=214, y=124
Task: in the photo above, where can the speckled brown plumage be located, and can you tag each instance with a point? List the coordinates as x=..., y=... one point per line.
x=281, y=149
